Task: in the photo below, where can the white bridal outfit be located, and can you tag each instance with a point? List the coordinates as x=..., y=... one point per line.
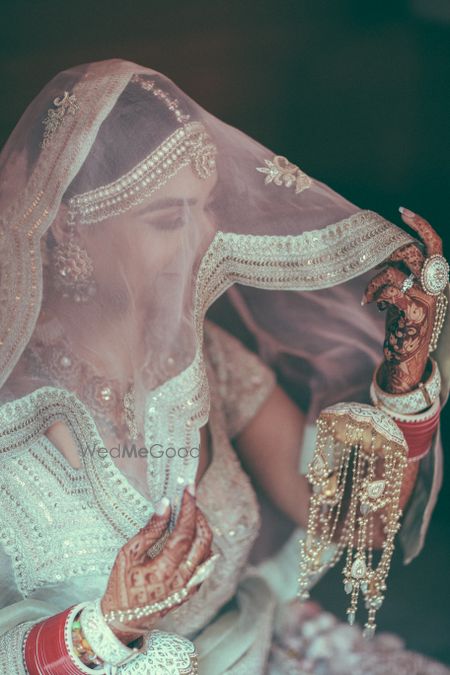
x=167, y=208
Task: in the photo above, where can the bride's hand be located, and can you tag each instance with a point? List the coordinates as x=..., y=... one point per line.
x=410, y=315
x=136, y=580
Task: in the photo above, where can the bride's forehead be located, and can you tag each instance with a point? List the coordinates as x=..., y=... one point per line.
x=184, y=185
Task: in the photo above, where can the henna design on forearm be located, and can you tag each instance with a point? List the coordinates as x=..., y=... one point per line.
x=410, y=315
x=409, y=327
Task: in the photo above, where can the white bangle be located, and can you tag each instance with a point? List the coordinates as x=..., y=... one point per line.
x=161, y=652
x=69, y=643
x=404, y=417
x=412, y=401
x=102, y=639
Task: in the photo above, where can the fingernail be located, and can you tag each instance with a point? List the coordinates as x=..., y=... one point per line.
x=161, y=506
x=363, y=301
x=406, y=212
x=191, y=489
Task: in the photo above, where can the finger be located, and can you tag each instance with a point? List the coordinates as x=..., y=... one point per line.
x=391, y=276
x=136, y=548
x=199, y=552
x=180, y=540
x=147, y=622
x=201, y=548
x=431, y=239
x=411, y=256
x=153, y=582
x=392, y=296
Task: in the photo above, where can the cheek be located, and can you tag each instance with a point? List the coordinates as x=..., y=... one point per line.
x=103, y=253
x=137, y=254
x=117, y=248
x=159, y=251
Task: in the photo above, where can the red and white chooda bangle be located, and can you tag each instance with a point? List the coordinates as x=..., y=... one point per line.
x=48, y=647
x=419, y=432
x=418, y=427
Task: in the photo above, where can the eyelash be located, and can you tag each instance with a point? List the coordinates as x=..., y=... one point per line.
x=168, y=224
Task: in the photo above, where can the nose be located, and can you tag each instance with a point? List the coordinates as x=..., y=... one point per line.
x=211, y=225
x=204, y=228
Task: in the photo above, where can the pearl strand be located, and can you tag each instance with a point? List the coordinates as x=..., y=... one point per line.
x=439, y=319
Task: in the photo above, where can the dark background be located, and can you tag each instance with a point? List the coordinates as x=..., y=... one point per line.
x=354, y=91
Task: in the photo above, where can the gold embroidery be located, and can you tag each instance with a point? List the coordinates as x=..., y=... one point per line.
x=204, y=160
x=63, y=104
x=281, y=172
x=189, y=144
x=309, y=261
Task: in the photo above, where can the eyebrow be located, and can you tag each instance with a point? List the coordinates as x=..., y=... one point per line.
x=166, y=203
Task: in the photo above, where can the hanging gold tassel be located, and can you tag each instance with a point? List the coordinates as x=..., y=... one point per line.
x=356, y=476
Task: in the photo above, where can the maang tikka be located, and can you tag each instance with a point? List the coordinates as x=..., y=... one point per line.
x=73, y=267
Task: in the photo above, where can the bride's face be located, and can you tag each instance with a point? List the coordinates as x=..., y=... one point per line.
x=134, y=252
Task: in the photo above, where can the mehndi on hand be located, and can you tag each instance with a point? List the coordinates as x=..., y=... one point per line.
x=413, y=313
x=137, y=580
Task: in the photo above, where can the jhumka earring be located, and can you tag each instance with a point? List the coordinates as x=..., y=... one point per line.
x=361, y=453
x=73, y=268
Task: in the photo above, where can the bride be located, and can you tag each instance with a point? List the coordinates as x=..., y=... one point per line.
x=139, y=437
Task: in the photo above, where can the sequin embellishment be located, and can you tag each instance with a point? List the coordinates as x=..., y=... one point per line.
x=282, y=172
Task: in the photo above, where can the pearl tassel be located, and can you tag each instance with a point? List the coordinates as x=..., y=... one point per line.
x=357, y=436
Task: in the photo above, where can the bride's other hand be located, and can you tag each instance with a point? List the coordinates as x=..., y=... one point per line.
x=136, y=580
x=410, y=313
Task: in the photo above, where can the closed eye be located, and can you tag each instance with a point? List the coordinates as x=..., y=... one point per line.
x=174, y=221
x=172, y=224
